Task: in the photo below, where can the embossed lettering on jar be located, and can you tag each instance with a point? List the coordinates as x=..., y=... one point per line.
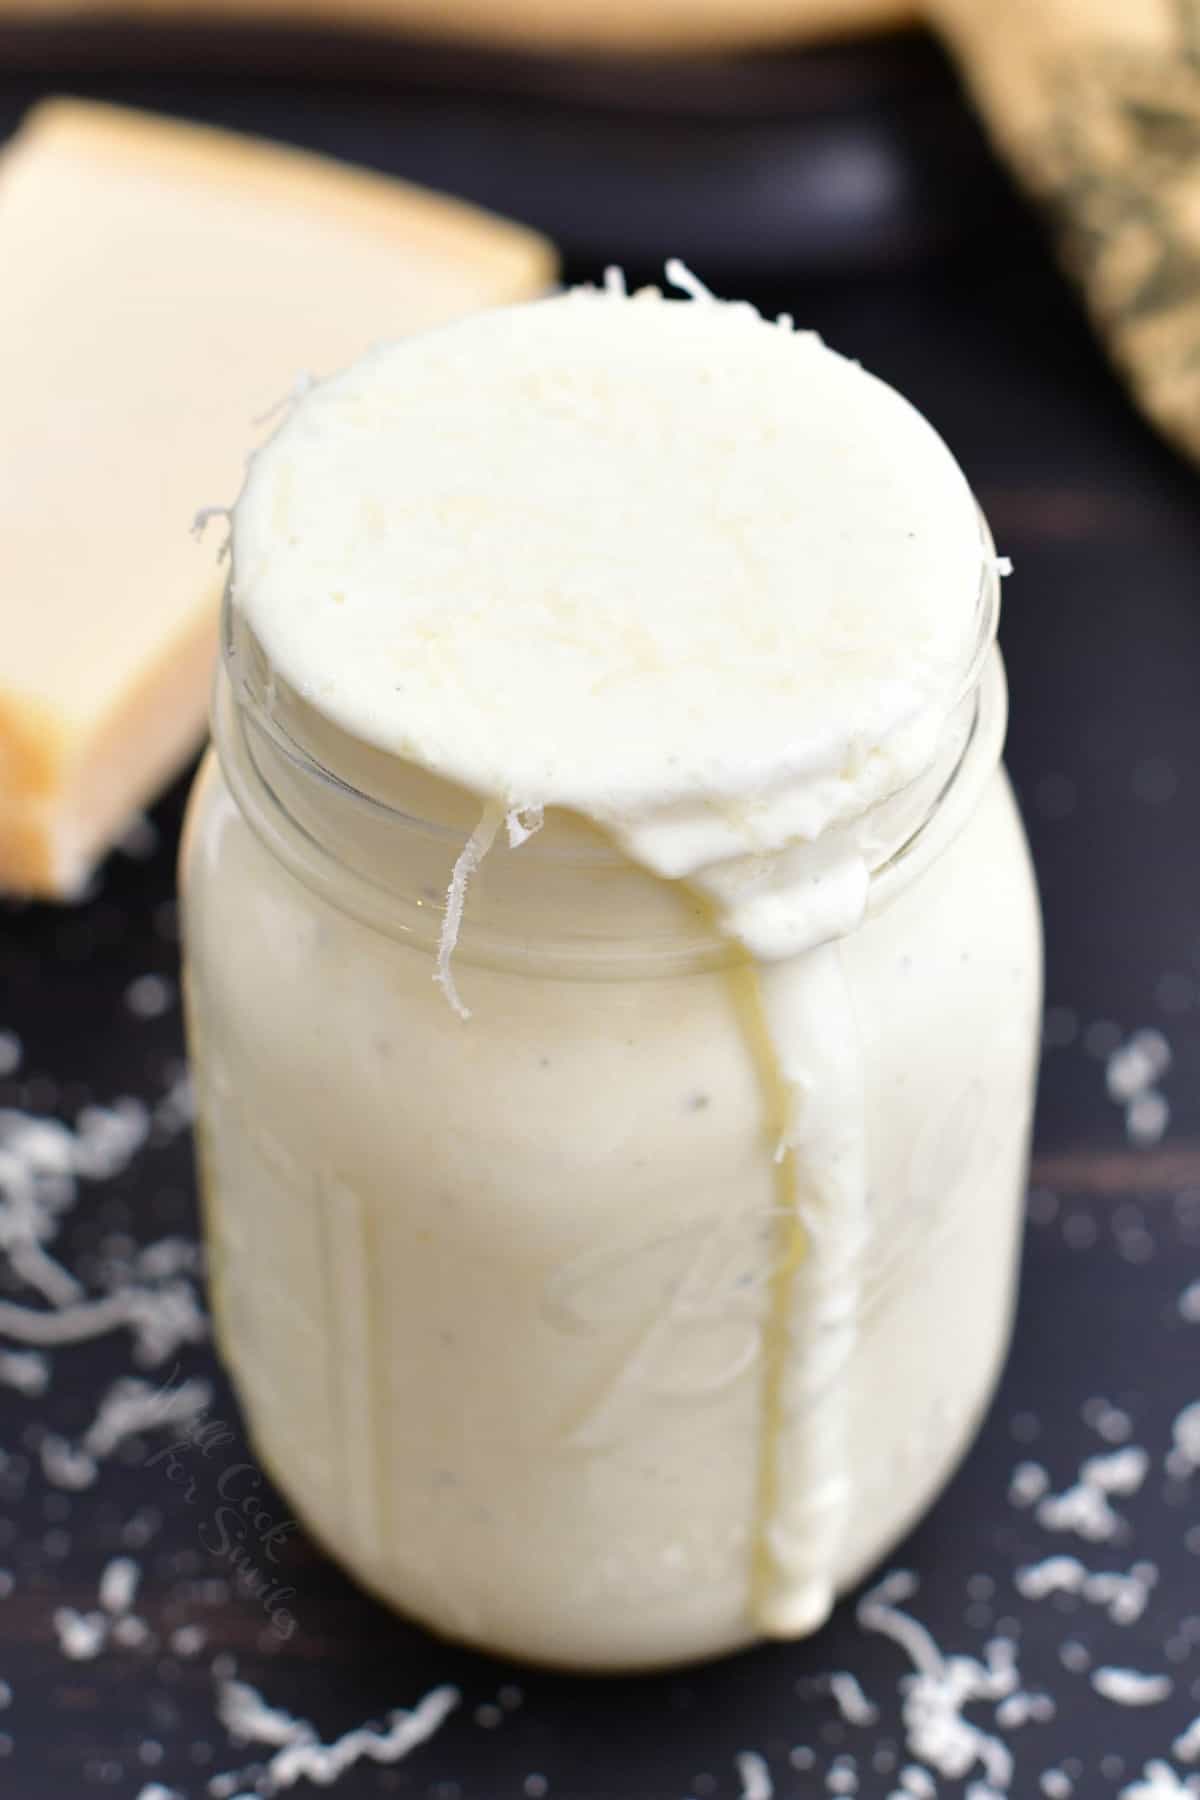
x=637, y=1315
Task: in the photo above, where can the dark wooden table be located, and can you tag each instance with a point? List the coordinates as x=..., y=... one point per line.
x=1102, y=636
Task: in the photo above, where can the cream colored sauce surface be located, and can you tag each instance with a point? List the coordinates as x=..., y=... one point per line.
x=702, y=581
x=680, y=568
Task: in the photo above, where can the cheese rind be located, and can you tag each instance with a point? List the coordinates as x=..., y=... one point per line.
x=164, y=286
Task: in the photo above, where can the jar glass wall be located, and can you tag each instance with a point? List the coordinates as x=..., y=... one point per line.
x=494, y=1294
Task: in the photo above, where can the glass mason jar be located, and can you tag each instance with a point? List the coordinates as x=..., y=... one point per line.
x=496, y=1294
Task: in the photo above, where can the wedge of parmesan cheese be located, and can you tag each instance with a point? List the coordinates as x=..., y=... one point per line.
x=165, y=286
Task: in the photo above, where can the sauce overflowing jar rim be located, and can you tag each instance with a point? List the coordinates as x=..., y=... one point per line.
x=298, y=807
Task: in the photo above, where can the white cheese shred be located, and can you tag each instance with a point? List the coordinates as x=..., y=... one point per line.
x=521, y=822
x=1085, y=1509
x=1158, y=1782
x=26, y=1370
x=118, y=1584
x=129, y=1407
x=852, y=1703
x=681, y=277
x=81, y=1636
x=203, y=519
x=132, y=1405
x=1124, y=1596
x=754, y=1776
x=299, y=1753
x=1183, y=1458
x=941, y=1686
x=248, y=1719
x=160, y=1318
x=469, y=859
x=1131, y=1687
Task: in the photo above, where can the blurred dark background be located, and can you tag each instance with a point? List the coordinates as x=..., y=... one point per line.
x=829, y=159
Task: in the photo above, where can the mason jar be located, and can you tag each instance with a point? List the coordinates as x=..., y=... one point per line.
x=496, y=1294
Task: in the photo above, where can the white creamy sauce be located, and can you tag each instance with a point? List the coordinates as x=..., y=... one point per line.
x=641, y=489
x=708, y=584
